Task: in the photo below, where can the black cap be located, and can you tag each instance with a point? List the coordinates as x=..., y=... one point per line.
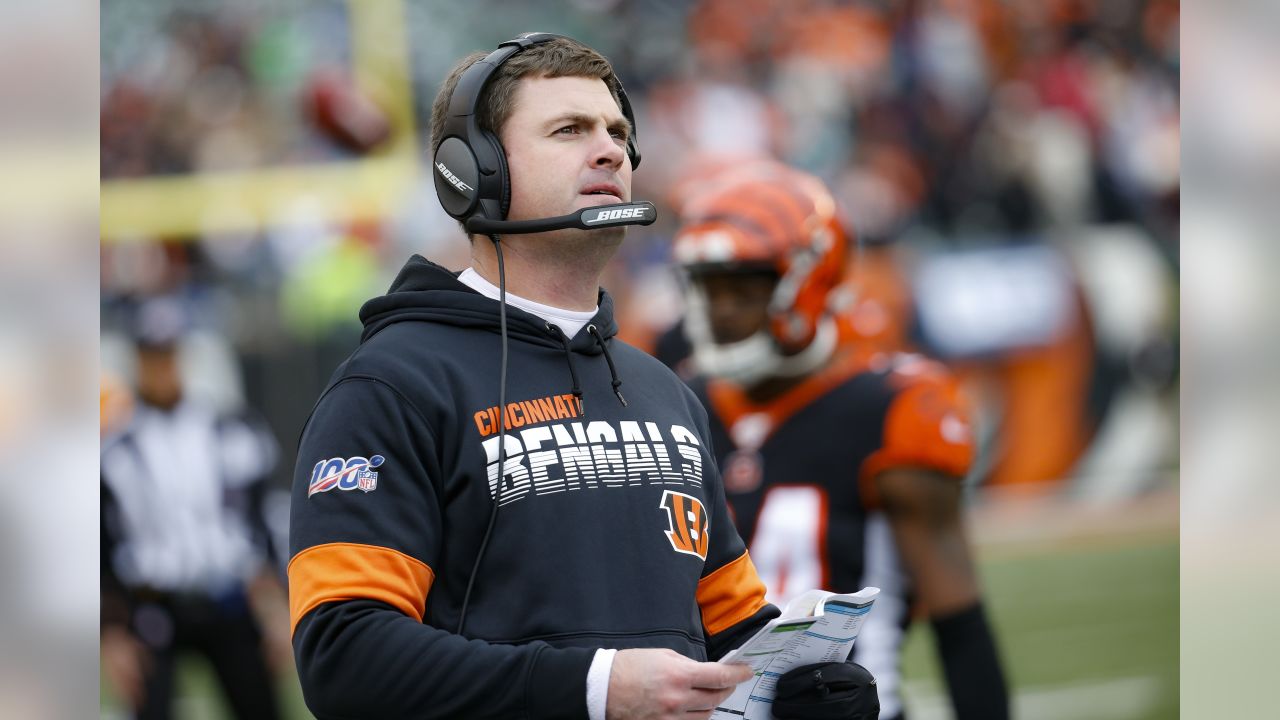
x=159, y=323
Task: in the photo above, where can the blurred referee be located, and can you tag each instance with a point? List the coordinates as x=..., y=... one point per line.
x=184, y=547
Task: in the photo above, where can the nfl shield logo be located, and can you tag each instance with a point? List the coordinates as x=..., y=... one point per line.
x=366, y=480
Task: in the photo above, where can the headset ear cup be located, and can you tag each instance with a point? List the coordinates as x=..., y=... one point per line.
x=503, y=180
x=457, y=177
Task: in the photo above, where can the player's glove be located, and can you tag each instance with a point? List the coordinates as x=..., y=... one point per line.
x=827, y=691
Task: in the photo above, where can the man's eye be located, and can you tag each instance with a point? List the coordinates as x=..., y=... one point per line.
x=568, y=129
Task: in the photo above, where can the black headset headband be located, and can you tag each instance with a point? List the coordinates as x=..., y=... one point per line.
x=470, y=164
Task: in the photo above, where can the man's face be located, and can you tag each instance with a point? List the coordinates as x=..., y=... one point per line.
x=159, y=379
x=566, y=144
x=737, y=303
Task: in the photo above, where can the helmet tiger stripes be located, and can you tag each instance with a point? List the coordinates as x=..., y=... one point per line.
x=777, y=219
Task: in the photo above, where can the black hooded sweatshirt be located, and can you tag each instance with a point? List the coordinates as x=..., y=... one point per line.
x=612, y=529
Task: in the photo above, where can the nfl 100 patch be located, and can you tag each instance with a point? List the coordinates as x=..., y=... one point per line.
x=353, y=473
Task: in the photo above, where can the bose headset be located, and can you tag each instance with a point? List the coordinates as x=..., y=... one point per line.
x=471, y=175
x=474, y=187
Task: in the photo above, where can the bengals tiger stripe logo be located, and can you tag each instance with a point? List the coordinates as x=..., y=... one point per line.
x=687, y=519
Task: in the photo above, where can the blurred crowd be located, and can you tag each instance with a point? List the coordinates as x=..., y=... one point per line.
x=192, y=89
x=1010, y=169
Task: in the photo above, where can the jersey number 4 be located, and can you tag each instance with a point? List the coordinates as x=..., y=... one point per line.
x=789, y=544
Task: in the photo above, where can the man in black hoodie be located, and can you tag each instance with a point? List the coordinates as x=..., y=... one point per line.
x=599, y=571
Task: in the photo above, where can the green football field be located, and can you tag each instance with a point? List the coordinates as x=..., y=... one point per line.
x=1086, y=631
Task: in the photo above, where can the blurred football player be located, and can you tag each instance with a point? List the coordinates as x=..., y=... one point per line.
x=842, y=463
x=184, y=543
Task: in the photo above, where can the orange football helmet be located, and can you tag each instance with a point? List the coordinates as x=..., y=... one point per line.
x=769, y=217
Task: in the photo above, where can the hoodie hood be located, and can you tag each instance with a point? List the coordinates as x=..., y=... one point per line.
x=426, y=292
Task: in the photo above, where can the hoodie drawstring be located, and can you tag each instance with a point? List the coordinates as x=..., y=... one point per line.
x=613, y=372
x=568, y=358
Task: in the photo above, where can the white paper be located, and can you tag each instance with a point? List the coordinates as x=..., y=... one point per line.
x=817, y=626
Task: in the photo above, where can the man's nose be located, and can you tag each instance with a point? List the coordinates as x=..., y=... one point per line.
x=723, y=308
x=606, y=151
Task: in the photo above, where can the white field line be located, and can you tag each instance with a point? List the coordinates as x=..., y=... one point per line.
x=1119, y=699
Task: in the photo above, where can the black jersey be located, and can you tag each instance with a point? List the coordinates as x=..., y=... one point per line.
x=798, y=475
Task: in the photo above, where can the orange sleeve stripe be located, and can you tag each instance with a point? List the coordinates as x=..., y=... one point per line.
x=730, y=595
x=350, y=571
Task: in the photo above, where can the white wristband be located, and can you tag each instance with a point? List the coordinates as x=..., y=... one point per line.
x=598, y=683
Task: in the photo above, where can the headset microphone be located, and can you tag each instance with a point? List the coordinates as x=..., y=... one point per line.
x=633, y=213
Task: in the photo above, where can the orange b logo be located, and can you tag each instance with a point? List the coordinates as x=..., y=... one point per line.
x=688, y=520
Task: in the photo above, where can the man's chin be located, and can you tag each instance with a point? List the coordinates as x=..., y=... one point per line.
x=581, y=243
x=575, y=237
x=612, y=235
x=602, y=235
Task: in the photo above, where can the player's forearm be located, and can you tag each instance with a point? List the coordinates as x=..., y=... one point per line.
x=364, y=659
x=944, y=579
x=971, y=664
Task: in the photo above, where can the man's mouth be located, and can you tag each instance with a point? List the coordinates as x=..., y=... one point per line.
x=611, y=193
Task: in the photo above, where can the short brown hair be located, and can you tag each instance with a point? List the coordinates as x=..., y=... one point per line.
x=561, y=57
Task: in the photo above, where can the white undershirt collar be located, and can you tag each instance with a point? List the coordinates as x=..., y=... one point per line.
x=569, y=321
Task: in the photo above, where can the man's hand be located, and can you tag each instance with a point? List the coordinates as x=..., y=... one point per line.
x=270, y=603
x=648, y=683
x=126, y=663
